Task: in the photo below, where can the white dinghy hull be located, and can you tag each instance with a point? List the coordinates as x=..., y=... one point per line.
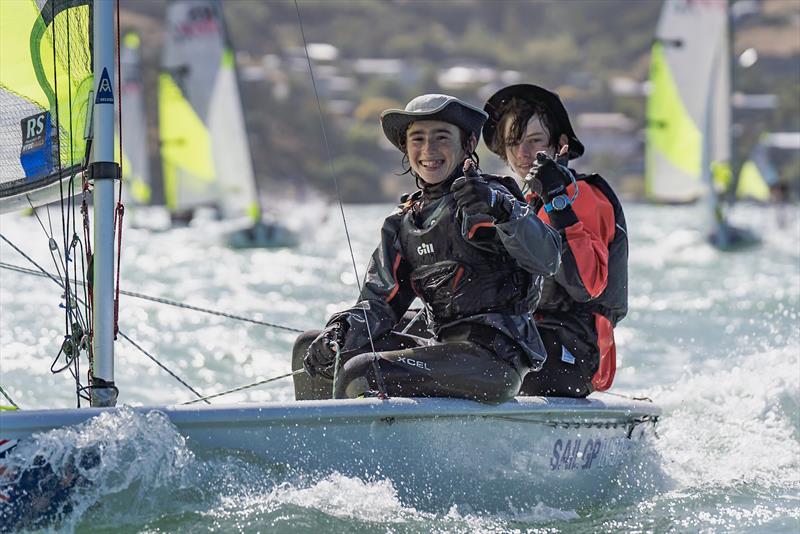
x=436, y=452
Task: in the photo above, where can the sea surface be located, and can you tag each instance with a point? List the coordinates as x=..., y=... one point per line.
x=713, y=338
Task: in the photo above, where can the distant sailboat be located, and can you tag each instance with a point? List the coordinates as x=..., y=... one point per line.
x=204, y=145
x=689, y=113
x=135, y=164
x=757, y=176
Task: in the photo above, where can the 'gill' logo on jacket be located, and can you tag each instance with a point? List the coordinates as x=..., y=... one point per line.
x=425, y=248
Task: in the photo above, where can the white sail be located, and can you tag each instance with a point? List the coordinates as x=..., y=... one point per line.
x=688, y=109
x=135, y=165
x=204, y=142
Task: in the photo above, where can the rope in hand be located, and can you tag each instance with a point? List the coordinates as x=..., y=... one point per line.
x=335, y=367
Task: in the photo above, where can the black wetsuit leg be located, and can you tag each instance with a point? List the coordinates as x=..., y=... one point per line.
x=558, y=378
x=460, y=369
x=319, y=387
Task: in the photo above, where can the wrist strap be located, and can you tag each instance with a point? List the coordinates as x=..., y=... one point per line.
x=560, y=199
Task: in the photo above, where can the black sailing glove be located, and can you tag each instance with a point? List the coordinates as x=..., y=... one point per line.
x=474, y=195
x=547, y=178
x=321, y=354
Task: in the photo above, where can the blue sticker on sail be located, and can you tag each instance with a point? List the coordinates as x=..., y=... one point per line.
x=36, y=155
x=105, y=92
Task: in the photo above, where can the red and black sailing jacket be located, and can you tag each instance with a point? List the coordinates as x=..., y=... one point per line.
x=588, y=296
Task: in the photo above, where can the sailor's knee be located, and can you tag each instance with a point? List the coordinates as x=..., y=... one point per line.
x=354, y=378
x=301, y=346
x=507, y=388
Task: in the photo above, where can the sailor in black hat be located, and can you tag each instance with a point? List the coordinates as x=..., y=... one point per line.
x=529, y=128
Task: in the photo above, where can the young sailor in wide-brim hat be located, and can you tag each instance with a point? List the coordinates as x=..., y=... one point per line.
x=432, y=107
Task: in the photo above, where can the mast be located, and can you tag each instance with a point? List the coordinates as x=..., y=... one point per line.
x=717, y=215
x=730, y=51
x=105, y=172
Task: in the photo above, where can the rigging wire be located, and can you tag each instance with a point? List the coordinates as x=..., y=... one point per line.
x=36, y=214
x=376, y=367
x=81, y=388
x=242, y=388
x=155, y=360
x=72, y=327
x=159, y=300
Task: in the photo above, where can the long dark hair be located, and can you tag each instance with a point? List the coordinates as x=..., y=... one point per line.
x=519, y=112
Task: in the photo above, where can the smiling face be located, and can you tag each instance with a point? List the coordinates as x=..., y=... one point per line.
x=434, y=149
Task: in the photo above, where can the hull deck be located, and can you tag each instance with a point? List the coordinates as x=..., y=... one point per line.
x=436, y=452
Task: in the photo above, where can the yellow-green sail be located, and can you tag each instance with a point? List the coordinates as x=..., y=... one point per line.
x=673, y=139
x=751, y=183
x=758, y=174
x=204, y=143
x=688, y=117
x=185, y=149
x=45, y=81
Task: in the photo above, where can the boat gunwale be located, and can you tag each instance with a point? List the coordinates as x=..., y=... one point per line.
x=556, y=412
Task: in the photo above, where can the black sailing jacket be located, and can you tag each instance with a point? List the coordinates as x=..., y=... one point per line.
x=487, y=274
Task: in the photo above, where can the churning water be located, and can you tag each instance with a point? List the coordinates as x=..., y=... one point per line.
x=713, y=338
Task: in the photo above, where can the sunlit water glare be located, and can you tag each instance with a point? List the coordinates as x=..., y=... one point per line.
x=713, y=338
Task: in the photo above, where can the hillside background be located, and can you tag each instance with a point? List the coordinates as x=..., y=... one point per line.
x=371, y=55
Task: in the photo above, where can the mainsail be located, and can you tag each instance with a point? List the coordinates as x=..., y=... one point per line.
x=135, y=167
x=204, y=146
x=45, y=84
x=688, y=108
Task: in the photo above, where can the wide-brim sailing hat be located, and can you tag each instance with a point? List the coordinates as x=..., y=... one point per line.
x=432, y=107
x=530, y=93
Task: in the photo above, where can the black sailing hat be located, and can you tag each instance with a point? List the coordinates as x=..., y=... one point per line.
x=531, y=93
